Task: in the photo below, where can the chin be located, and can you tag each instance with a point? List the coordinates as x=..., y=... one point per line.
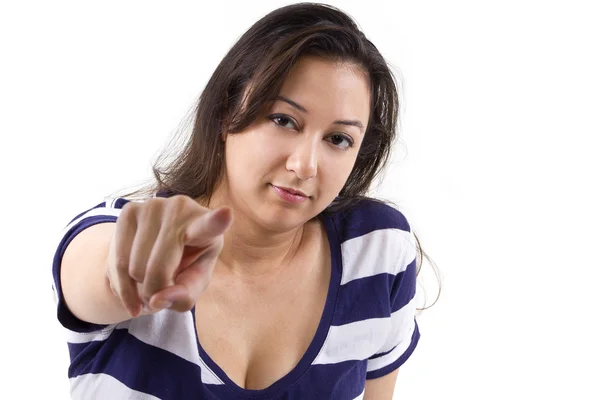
x=281, y=219
x=277, y=218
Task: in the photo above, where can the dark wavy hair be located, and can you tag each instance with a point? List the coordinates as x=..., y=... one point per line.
x=252, y=73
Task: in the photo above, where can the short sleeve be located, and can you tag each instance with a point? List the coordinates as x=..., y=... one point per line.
x=107, y=211
x=404, y=332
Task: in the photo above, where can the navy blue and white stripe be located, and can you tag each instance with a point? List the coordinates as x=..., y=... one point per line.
x=368, y=328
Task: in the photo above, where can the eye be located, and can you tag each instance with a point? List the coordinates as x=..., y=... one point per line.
x=338, y=139
x=283, y=120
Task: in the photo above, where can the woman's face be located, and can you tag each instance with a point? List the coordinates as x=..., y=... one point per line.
x=308, y=142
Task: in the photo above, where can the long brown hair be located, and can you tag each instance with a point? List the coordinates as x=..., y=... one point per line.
x=252, y=73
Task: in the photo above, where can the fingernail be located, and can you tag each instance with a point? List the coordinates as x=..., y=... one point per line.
x=222, y=215
x=133, y=312
x=214, y=213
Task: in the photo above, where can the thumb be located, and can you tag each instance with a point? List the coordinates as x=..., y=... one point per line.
x=190, y=283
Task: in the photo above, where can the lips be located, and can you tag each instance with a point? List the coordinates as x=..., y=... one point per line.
x=292, y=191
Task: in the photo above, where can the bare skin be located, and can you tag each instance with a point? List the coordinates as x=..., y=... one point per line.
x=269, y=287
x=256, y=267
x=261, y=326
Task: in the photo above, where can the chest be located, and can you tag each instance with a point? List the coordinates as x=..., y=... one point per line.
x=258, y=335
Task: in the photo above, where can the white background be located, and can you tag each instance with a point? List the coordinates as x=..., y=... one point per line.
x=497, y=170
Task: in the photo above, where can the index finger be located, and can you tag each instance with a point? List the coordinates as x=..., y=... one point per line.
x=201, y=232
x=168, y=251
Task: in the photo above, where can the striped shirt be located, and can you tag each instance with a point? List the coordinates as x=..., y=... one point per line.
x=367, y=329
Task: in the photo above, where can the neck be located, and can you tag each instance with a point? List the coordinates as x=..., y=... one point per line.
x=251, y=251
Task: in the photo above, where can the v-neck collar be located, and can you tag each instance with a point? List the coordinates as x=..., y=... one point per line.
x=318, y=340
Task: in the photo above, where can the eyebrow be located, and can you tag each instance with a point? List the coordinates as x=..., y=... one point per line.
x=297, y=106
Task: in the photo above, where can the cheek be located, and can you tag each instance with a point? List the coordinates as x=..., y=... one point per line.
x=334, y=172
x=250, y=154
x=266, y=152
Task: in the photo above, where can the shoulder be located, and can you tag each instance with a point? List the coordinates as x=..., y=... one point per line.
x=366, y=216
x=111, y=206
x=375, y=237
x=105, y=211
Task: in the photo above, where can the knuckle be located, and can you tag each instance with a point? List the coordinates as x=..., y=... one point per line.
x=154, y=283
x=146, y=297
x=136, y=272
x=179, y=201
x=179, y=205
x=150, y=207
x=128, y=210
x=175, y=205
x=121, y=262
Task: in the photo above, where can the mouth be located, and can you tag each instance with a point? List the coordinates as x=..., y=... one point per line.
x=292, y=191
x=290, y=195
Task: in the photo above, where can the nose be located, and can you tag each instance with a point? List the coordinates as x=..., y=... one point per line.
x=303, y=158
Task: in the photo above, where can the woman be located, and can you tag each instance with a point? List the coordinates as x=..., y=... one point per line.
x=254, y=267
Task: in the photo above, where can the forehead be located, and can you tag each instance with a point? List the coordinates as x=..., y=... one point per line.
x=327, y=87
